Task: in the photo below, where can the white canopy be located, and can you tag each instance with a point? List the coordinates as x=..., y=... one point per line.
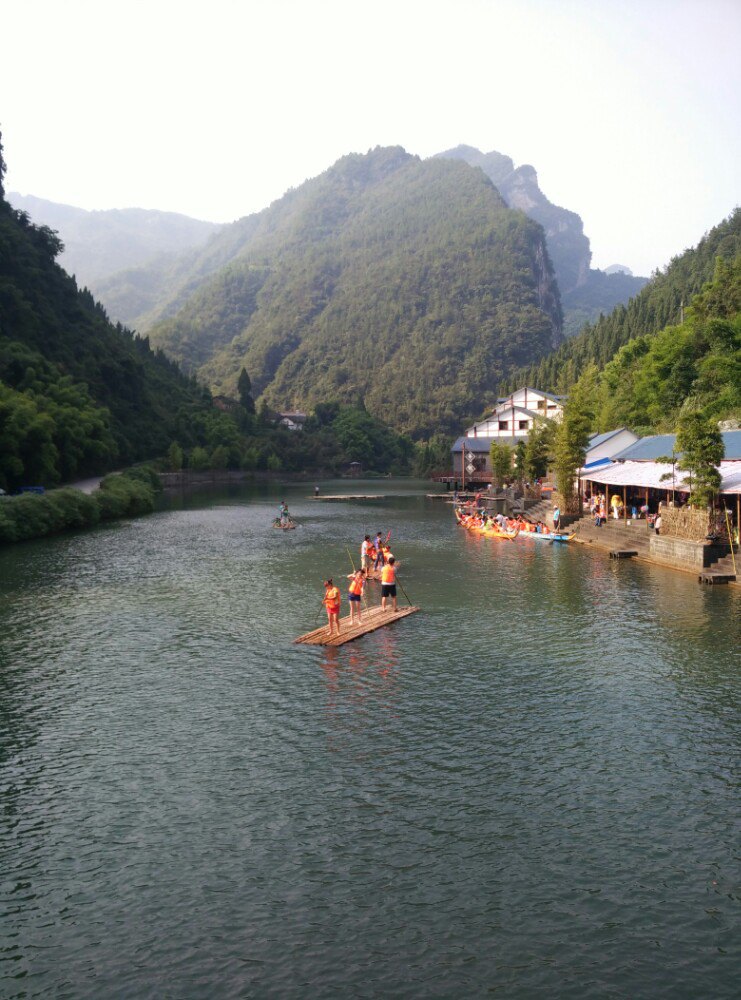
x=649, y=474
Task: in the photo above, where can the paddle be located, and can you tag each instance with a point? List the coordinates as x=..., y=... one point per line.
x=404, y=592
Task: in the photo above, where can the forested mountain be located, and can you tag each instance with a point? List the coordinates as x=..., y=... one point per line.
x=77, y=395
x=406, y=285
x=585, y=291
x=100, y=243
x=656, y=306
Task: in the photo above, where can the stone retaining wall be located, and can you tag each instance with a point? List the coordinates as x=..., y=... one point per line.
x=682, y=553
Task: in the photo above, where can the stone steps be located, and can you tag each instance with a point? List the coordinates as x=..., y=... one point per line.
x=724, y=565
x=615, y=535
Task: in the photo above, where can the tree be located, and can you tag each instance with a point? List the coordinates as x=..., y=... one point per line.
x=174, y=457
x=537, y=447
x=198, y=460
x=572, y=436
x=244, y=387
x=701, y=445
x=501, y=463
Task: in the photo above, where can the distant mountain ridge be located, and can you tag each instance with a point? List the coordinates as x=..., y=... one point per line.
x=402, y=284
x=585, y=292
x=98, y=244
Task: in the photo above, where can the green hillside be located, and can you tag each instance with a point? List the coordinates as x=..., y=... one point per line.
x=655, y=378
x=405, y=285
x=656, y=306
x=77, y=395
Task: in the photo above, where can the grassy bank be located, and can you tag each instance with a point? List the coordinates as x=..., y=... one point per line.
x=35, y=515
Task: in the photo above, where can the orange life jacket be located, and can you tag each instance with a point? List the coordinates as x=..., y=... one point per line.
x=332, y=599
x=371, y=551
x=356, y=585
x=388, y=574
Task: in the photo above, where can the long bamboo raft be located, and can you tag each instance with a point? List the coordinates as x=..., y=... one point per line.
x=373, y=619
x=350, y=496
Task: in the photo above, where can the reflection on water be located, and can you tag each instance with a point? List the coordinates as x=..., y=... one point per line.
x=528, y=788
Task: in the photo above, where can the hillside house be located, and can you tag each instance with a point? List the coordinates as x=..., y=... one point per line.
x=293, y=420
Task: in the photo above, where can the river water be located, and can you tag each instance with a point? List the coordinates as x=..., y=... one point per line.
x=529, y=789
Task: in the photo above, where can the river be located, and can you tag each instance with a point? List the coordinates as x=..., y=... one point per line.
x=528, y=789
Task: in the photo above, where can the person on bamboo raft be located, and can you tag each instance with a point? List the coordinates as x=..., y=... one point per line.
x=331, y=602
x=388, y=583
x=357, y=585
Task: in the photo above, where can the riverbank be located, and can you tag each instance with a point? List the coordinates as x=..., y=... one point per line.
x=659, y=550
x=37, y=515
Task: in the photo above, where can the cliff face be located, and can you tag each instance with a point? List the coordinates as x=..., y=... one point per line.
x=585, y=292
x=567, y=245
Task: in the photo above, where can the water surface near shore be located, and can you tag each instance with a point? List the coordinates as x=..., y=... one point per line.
x=530, y=788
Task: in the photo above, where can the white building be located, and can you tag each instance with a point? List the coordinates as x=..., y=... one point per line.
x=515, y=415
x=294, y=420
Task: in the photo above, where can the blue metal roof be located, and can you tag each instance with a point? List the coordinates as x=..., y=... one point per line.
x=598, y=439
x=478, y=445
x=648, y=449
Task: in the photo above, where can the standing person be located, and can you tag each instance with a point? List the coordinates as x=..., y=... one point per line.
x=357, y=584
x=379, y=550
x=283, y=512
x=388, y=583
x=657, y=524
x=331, y=602
x=364, y=550
x=556, y=517
x=316, y=492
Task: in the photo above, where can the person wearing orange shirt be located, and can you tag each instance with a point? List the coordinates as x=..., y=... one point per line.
x=357, y=583
x=388, y=583
x=332, y=603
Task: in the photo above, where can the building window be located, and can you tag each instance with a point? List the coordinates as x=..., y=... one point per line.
x=503, y=425
x=522, y=425
x=541, y=404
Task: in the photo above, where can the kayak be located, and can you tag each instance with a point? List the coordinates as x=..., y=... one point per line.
x=552, y=536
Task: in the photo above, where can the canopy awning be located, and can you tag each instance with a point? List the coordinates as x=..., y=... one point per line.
x=650, y=475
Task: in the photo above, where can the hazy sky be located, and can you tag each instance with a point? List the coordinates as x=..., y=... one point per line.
x=629, y=111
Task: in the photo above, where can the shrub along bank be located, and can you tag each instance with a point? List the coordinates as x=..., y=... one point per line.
x=34, y=515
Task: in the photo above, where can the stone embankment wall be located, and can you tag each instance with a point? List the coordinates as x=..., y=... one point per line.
x=683, y=553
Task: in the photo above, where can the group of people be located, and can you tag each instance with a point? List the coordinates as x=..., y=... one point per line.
x=500, y=522
x=373, y=555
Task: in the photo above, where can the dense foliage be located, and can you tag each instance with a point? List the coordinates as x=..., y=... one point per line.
x=658, y=305
x=404, y=286
x=33, y=515
x=76, y=393
x=694, y=367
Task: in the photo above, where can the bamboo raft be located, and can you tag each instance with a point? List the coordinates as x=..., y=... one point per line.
x=350, y=496
x=373, y=619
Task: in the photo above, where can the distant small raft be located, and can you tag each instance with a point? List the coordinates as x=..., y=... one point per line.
x=373, y=619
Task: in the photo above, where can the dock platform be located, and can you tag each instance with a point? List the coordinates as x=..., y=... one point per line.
x=623, y=553
x=711, y=578
x=373, y=619
x=350, y=496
